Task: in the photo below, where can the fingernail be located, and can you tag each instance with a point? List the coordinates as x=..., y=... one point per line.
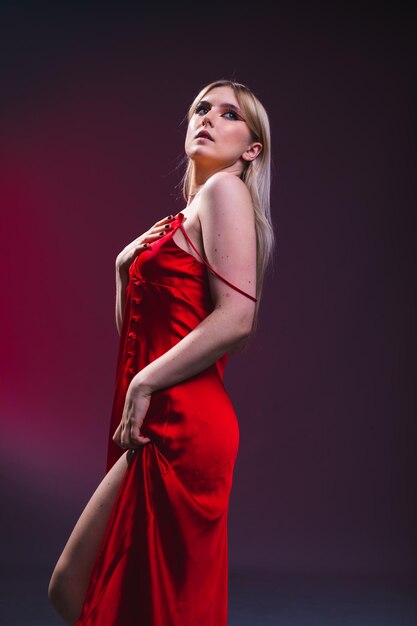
x=161, y=233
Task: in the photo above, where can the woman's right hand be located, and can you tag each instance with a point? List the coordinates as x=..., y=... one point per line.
x=126, y=257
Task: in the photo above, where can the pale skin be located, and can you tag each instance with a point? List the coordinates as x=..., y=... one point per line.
x=219, y=219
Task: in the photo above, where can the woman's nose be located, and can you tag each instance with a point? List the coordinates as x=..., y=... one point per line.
x=207, y=119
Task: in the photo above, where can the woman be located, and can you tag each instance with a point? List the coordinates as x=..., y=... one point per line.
x=150, y=548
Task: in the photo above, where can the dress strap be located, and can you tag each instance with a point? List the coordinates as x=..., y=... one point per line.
x=208, y=265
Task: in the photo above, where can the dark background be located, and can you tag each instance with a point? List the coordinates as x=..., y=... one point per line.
x=93, y=108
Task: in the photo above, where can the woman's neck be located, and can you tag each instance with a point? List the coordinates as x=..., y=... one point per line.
x=199, y=179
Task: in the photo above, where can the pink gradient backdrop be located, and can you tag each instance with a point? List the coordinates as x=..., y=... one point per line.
x=92, y=137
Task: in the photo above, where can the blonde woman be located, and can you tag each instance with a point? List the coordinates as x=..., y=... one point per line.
x=150, y=548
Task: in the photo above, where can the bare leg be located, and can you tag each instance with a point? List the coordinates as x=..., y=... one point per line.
x=70, y=578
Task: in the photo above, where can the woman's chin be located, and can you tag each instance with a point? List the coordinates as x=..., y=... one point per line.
x=198, y=152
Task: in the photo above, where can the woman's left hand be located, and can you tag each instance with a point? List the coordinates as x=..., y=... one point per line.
x=127, y=434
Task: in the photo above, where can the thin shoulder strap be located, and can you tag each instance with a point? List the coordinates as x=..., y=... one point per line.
x=213, y=270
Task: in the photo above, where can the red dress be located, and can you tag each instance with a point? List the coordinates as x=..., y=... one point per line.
x=163, y=560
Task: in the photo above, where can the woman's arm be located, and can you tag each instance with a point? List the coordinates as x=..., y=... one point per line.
x=220, y=332
x=229, y=238
x=122, y=279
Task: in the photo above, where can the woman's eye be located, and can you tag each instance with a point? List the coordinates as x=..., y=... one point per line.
x=200, y=108
x=233, y=113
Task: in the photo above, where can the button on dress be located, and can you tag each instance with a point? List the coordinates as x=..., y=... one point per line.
x=163, y=560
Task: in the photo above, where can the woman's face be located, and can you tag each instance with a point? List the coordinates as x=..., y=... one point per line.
x=219, y=115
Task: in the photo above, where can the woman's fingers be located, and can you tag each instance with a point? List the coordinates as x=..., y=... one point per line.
x=116, y=436
x=154, y=235
x=138, y=439
x=168, y=218
x=128, y=437
x=138, y=245
x=134, y=436
x=134, y=441
x=155, y=232
x=151, y=237
x=142, y=247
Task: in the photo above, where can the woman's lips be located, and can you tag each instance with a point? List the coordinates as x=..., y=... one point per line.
x=204, y=134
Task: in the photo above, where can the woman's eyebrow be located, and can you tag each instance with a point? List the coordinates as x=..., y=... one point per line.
x=224, y=105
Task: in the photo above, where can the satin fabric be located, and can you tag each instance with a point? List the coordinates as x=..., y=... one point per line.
x=164, y=557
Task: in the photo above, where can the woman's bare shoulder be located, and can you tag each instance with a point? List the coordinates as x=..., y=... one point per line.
x=225, y=192
x=223, y=182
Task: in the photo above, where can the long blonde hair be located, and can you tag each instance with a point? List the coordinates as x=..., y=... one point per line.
x=256, y=175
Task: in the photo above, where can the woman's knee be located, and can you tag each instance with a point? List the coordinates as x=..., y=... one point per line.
x=62, y=594
x=58, y=585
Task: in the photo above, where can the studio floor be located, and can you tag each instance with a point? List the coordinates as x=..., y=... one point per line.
x=255, y=598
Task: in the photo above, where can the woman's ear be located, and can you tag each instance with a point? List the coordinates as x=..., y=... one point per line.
x=252, y=152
